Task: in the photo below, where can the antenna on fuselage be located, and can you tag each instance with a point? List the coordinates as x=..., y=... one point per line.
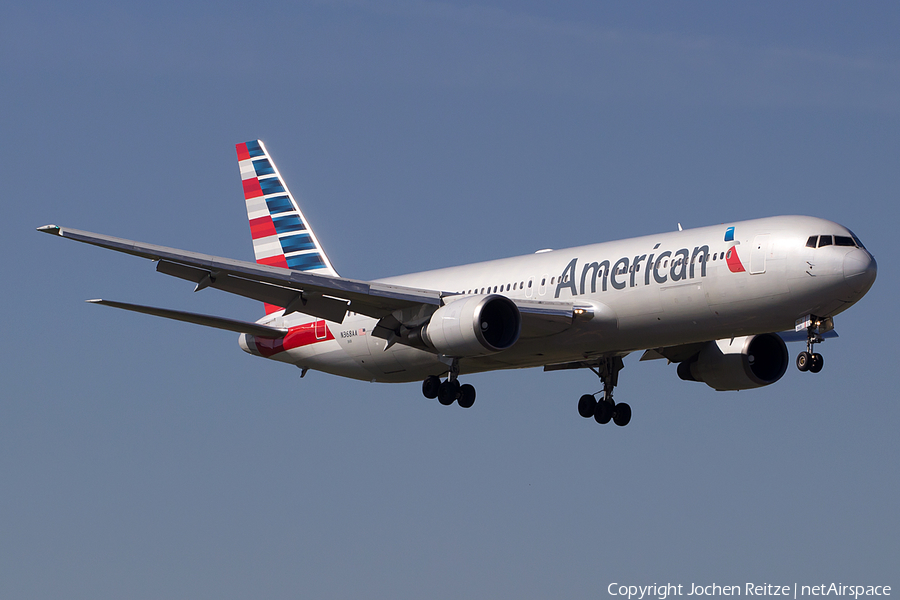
x=679, y=227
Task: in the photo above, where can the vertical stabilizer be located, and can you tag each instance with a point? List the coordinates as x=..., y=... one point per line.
x=281, y=234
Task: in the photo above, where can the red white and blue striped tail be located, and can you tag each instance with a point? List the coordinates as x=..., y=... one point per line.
x=282, y=237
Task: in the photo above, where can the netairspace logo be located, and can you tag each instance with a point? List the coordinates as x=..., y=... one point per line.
x=663, y=591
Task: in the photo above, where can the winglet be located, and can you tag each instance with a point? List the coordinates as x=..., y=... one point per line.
x=51, y=229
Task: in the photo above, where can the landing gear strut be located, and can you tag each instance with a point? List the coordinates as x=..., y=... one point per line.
x=809, y=360
x=605, y=409
x=449, y=391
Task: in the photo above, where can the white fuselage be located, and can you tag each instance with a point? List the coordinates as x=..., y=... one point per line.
x=655, y=291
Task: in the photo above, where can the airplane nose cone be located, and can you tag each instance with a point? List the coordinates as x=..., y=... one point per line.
x=859, y=271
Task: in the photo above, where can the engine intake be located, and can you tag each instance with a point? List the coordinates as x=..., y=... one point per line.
x=738, y=364
x=473, y=326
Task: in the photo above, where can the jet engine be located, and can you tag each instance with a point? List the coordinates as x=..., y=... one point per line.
x=474, y=326
x=741, y=363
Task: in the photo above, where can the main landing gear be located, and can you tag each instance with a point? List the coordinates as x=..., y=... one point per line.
x=605, y=409
x=449, y=391
x=809, y=360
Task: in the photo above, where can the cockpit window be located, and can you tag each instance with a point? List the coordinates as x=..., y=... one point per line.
x=818, y=241
x=859, y=244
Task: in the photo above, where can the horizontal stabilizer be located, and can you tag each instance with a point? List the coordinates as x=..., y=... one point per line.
x=255, y=329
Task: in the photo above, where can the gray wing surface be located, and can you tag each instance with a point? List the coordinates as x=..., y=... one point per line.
x=320, y=296
x=316, y=295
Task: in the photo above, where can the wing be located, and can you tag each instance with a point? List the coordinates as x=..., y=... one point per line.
x=680, y=353
x=321, y=296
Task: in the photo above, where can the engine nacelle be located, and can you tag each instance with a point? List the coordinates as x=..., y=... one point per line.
x=473, y=326
x=738, y=364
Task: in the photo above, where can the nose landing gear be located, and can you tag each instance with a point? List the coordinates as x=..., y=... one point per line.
x=808, y=360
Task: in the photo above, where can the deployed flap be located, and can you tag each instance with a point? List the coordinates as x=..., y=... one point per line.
x=367, y=298
x=255, y=329
x=800, y=336
x=310, y=303
x=591, y=363
x=676, y=354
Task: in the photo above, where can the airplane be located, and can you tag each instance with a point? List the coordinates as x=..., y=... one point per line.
x=720, y=301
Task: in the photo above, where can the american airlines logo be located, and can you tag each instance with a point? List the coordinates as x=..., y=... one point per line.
x=679, y=265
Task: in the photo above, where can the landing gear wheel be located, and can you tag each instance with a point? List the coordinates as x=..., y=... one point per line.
x=466, y=395
x=604, y=412
x=816, y=364
x=448, y=392
x=622, y=414
x=818, y=326
x=587, y=406
x=430, y=387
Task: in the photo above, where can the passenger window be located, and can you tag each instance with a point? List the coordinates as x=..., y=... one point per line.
x=811, y=242
x=842, y=240
x=529, y=282
x=553, y=281
x=824, y=240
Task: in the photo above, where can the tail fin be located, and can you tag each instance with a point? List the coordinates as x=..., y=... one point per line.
x=281, y=234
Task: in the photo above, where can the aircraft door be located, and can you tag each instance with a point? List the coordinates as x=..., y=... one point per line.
x=321, y=330
x=758, y=254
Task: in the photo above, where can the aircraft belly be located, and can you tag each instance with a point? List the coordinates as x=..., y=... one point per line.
x=335, y=362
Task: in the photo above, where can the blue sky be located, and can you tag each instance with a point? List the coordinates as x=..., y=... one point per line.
x=145, y=459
